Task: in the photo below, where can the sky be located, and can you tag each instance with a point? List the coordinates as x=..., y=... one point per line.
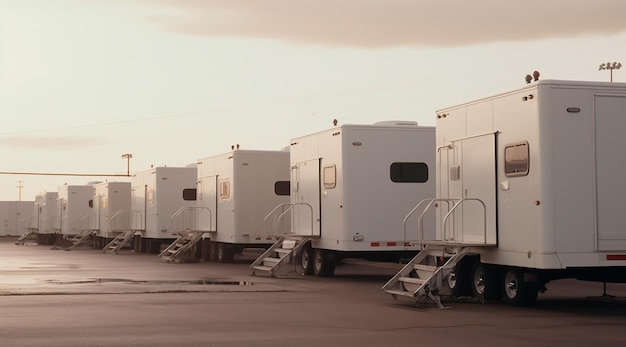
x=83, y=82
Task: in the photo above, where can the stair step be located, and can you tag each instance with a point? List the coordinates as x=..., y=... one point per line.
x=289, y=244
x=425, y=267
x=262, y=268
x=414, y=280
x=282, y=250
x=271, y=259
x=399, y=292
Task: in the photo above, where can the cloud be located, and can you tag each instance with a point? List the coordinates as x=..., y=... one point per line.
x=390, y=23
x=50, y=143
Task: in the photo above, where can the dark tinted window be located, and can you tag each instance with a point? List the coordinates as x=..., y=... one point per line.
x=189, y=194
x=409, y=172
x=282, y=188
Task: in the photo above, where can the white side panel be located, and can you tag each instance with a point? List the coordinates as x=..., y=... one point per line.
x=472, y=222
x=572, y=161
x=305, y=193
x=5, y=219
x=610, y=123
x=207, y=199
x=256, y=174
x=109, y=198
x=74, y=202
x=168, y=199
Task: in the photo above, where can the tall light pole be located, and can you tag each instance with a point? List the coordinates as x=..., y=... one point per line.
x=127, y=156
x=610, y=66
x=19, y=189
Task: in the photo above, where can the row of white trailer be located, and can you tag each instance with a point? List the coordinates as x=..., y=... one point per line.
x=504, y=195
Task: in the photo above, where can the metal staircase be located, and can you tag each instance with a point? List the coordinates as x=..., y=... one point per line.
x=427, y=276
x=278, y=256
x=30, y=233
x=124, y=223
x=178, y=249
x=119, y=241
x=81, y=238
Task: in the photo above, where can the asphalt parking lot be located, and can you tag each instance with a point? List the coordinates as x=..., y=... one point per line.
x=85, y=297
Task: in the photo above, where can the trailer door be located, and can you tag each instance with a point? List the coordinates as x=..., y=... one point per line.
x=472, y=181
x=207, y=199
x=610, y=122
x=305, y=195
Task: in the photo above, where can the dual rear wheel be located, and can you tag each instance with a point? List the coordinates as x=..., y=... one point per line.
x=490, y=282
x=315, y=261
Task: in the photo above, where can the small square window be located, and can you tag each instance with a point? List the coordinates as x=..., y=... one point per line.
x=330, y=177
x=225, y=189
x=516, y=162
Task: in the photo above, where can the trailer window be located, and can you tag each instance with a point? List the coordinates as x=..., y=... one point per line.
x=516, y=159
x=189, y=194
x=282, y=188
x=330, y=177
x=225, y=189
x=409, y=172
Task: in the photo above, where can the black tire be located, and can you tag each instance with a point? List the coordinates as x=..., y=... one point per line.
x=459, y=279
x=306, y=260
x=206, y=250
x=516, y=291
x=225, y=253
x=485, y=282
x=323, y=263
x=213, y=247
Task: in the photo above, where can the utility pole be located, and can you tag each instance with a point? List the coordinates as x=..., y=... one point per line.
x=610, y=66
x=19, y=190
x=127, y=156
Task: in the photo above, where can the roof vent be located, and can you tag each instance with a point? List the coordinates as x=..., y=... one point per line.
x=398, y=122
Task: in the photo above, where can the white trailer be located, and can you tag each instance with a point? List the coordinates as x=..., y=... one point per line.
x=156, y=195
x=351, y=186
x=15, y=216
x=76, y=202
x=529, y=189
x=45, y=216
x=108, y=199
x=238, y=189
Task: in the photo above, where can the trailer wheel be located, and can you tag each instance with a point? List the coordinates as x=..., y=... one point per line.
x=306, y=260
x=518, y=292
x=485, y=282
x=213, y=247
x=323, y=264
x=459, y=279
x=225, y=253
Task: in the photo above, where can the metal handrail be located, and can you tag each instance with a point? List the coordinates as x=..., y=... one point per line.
x=421, y=218
x=289, y=208
x=85, y=217
x=406, y=218
x=459, y=203
x=130, y=214
x=182, y=210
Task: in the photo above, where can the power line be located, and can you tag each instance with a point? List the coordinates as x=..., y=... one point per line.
x=63, y=174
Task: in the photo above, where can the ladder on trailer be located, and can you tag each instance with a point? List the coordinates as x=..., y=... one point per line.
x=176, y=251
x=125, y=223
x=27, y=235
x=81, y=238
x=427, y=276
x=185, y=222
x=119, y=241
x=279, y=255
